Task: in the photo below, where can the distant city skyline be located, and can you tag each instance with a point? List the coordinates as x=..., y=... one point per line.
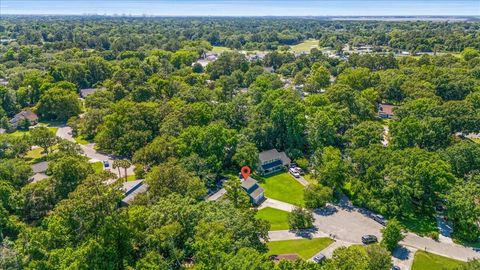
x=243, y=7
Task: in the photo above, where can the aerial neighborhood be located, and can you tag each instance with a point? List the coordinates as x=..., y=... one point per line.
x=263, y=142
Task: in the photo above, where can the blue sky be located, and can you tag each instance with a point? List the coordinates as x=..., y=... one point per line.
x=243, y=7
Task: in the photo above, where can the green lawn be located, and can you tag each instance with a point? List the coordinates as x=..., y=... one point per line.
x=97, y=166
x=305, y=248
x=305, y=46
x=220, y=49
x=428, y=261
x=284, y=188
x=278, y=219
x=35, y=153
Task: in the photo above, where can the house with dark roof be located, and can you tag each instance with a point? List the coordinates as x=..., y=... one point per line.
x=386, y=111
x=272, y=161
x=254, y=191
x=131, y=189
x=28, y=115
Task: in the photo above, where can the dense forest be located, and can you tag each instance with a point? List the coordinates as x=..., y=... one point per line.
x=185, y=126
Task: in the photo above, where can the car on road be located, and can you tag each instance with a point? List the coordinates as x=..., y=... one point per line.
x=319, y=258
x=380, y=219
x=106, y=164
x=369, y=239
x=396, y=267
x=294, y=172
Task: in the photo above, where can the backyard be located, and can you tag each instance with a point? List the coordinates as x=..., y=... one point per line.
x=428, y=261
x=278, y=219
x=284, y=188
x=305, y=248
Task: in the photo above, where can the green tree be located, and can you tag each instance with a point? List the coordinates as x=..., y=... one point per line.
x=392, y=234
x=365, y=134
x=235, y=194
x=58, y=104
x=43, y=137
x=246, y=154
x=330, y=168
x=300, y=219
x=317, y=196
x=318, y=79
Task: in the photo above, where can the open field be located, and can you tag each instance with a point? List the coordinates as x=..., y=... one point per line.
x=305, y=248
x=278, y=219
x=220, y=49
x=428, y=261
x=284, y=188
x=305, y=46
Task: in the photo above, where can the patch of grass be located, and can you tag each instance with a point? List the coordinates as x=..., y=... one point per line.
x=97, y=166
x=220, y=49
x=310, y=179
x=428, y=261
x=278, y=219
x=305, y=248
x=53, y=129
x=305, y=46
x=35, y=153
x=284, y=188
x=131, y=178
x=19, y=133
x=476, y=140
x=422, y=225
x=81, y=140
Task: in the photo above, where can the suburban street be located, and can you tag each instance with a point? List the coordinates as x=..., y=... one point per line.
x=65, y=132
x=347, y=225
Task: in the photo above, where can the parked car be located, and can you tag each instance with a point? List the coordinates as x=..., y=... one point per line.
x=369, y=239
x=106, y=164
x=299, y=170
x=380, y=219
x=320, y=258
x=294, y=172
x=396, y=267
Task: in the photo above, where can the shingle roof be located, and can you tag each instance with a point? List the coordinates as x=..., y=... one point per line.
x=268, y=155
x=132, y=189
x=249, y=183
x=25, y=114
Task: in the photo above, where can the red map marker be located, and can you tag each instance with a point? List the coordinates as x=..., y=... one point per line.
x=245, y=172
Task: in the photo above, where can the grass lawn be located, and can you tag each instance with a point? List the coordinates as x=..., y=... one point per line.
x=81, y=140
x=428, y=261
x=305, y=46
x=35, y=153
x=284, y=188
x=278, y=219
x=421, y=225
x=220, y=49
x=97, y=166
x=475, y=140
x=305, y=248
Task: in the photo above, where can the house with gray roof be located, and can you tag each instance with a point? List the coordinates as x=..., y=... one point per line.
x=254, y=191
x=272, y=161
x=88, y=91
x=27, y=115
x=131, y=189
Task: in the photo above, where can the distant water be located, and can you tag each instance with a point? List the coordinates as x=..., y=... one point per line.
x=243, y=7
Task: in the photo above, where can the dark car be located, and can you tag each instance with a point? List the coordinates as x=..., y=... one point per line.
x=395, y=267
x=369, y=239
x=106, y=164
x=320, y=258
x=380, y=219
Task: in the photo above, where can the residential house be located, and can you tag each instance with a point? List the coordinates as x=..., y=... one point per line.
x=386, y=111
x=28, y=115
x=254, y=191
x=39, y=170
x=272, y=161
x=88, y=91
x=131, y=189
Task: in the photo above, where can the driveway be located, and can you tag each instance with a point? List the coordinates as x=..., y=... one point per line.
x=65, y=132
x=347, y=224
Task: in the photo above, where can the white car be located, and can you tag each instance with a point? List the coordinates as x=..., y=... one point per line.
x=294, y=172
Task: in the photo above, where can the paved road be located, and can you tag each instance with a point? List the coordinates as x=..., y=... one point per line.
x=348, y=225
x=65, y=132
